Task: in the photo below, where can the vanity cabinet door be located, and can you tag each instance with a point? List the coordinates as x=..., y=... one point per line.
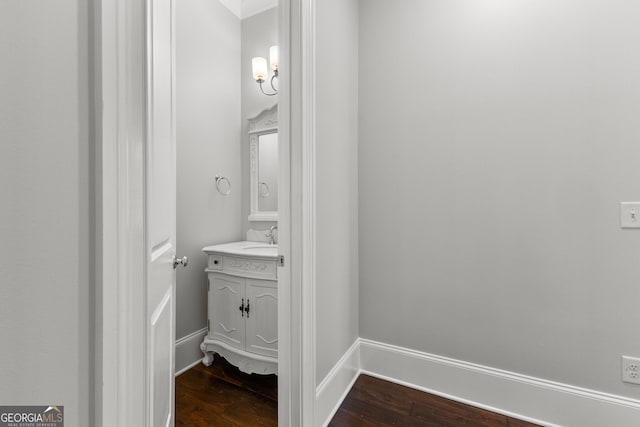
x=226, y=296
x=262, y=319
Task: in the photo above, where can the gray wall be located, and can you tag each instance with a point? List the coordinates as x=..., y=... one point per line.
x=45, y=219
x=208, y=143
x=336, y=180
x=259, y=33
x=496, y=141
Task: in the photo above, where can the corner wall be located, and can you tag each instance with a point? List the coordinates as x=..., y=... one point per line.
x=336, y=181
x=497, y=139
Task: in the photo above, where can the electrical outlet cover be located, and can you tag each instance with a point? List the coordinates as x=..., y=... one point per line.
x=631, y=370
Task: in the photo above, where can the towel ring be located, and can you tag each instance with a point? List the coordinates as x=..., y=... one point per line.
x=263, y=189
x=223, y=185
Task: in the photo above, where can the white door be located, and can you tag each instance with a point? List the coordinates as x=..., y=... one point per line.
x=262, y=317
x=227, y=304
x=160, y=214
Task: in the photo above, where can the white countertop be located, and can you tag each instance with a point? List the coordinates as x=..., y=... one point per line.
x=245, y=248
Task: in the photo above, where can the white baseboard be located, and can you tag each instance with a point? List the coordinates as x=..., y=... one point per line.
x=334, y=388
x=539, y=401
x=188, y=352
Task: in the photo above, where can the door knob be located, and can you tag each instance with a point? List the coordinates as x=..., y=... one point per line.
x=178, y=261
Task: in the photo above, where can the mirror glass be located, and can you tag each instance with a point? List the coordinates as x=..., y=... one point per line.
x=263, y=148
x=268, y=172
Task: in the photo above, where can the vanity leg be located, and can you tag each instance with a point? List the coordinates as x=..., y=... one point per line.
x=207, y=360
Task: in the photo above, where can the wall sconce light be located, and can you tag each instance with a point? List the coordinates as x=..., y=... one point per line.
x=260, y=72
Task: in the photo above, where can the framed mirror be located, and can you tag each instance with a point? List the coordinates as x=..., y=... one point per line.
x=263, y=156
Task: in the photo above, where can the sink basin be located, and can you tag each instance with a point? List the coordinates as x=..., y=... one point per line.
x=261, y=249
x=260, y=246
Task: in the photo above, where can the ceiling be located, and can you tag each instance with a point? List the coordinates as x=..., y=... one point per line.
x=246, y=8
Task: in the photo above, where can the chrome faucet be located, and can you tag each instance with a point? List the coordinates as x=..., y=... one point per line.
x=271, y=235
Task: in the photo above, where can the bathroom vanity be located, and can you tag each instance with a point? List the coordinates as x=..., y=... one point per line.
x=243, y=306
x=242, y=277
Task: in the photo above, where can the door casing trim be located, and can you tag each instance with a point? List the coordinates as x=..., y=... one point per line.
x=120, y=227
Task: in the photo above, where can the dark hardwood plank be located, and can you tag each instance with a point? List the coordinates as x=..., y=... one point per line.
x=376, y=402
x=344, y=417
x=221, y=395
x=519, y=423
x=442, y=412
x=373, y=402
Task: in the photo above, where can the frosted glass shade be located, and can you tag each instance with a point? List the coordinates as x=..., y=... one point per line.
x=259, y=67
x=273, y=57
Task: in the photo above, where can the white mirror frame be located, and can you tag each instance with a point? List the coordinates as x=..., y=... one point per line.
x=264, y=123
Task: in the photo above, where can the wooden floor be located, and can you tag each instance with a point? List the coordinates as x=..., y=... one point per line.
x=221, y=395
x=373, y=402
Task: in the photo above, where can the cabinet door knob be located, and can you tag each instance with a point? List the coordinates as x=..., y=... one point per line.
x=241, y=308
x=247, y=308
x=180, y=261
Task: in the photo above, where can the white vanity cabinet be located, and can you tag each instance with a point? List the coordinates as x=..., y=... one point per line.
x=243, y=306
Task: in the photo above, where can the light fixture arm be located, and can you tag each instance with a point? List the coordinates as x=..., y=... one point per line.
x=275, y=91
x=268, y=94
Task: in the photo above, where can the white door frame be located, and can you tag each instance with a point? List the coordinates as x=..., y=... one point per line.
x=121, y=46
x=120, y=293
x=296, y=144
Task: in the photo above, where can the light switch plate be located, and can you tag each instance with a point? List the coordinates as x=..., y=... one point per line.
x=630, y=214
